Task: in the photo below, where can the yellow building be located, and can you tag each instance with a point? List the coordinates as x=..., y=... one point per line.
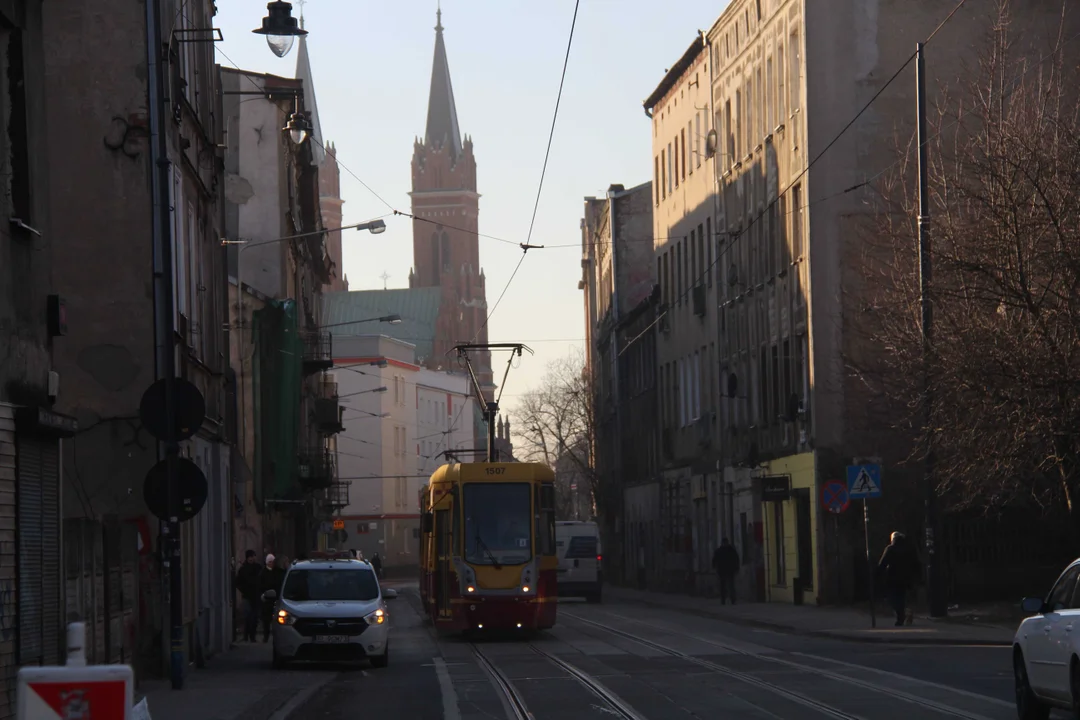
x=790, y=515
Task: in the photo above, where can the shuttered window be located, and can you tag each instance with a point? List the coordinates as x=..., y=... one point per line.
x=38, y=463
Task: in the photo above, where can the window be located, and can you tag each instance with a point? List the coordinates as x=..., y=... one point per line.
x=693, y=145
x=663, y=174
x=709, y=249
x=704, y=269
x=778, y=542
x=670, y=170
x=761, y=404
x=697, y=139
x=796, y=87
x=729, y=132
x=797, y=223
x=1060, y=598
x=762, y=100
x=330, y=585
x=697, y=385
x=749, y=119
x=682, y=134
x=656, y=177
x=770, y=101
x=787, y=381
x=738, y=131
x=693, y=260
x=679, y=270
x=545, y=526
x=677, y=156
x=498, y=522
x=774, y=372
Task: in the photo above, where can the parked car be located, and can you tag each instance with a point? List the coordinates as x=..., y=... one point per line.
x=1046, y=650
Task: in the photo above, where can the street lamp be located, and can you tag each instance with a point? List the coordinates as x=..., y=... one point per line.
x=280, y=28
x=375, y=227
x=299, y=129
x=389, y=319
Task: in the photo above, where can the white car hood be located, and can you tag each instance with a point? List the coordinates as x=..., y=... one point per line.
x=331, y=608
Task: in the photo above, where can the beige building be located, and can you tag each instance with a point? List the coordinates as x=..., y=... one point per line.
x=685, y=245
x=791, y=215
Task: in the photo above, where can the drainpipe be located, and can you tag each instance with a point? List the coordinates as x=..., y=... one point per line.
x=164, y=317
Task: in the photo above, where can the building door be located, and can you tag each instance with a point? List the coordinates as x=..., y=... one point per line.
x=38, y=538
x=805, y=537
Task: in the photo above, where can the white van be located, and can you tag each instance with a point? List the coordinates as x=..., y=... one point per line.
x=578, y=546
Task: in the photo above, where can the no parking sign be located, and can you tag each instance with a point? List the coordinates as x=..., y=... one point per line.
x=835, y=497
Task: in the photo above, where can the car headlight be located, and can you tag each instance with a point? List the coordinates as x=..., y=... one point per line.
x=376, y=618
x=284, y=618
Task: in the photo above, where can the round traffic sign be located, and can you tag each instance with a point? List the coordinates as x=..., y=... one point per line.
x=834, y=497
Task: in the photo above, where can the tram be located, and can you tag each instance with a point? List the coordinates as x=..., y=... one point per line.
x=487, y=547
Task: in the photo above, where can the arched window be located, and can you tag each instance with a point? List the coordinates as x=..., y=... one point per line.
x=446, y=259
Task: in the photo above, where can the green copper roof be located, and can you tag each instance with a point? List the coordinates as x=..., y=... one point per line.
x=418, y=308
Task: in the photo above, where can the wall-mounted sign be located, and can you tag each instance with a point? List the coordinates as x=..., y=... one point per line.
x=775, y=488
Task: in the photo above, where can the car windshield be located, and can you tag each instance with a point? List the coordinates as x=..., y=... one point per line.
x=317, y=584
x=498, y=523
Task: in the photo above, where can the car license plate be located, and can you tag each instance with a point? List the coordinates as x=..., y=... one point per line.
x=332, y=639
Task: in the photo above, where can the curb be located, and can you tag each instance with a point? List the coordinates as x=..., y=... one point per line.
x=829, y=634
x=283, y=712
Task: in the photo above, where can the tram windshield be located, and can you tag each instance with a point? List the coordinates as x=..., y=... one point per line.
x=498, y=523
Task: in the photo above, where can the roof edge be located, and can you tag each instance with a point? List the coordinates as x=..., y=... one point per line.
x=676, y=71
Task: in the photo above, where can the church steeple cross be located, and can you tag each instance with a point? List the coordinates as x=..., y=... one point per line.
x=438, y=17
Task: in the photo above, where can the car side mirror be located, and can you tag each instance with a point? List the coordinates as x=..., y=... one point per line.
x=427, y=522
x=1032, y=605
x=389, y=594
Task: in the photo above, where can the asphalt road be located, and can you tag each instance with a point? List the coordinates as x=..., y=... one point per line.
x=628, y=661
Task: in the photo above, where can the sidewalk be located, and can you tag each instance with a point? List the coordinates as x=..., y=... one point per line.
x=236, y=685
x=838, y=623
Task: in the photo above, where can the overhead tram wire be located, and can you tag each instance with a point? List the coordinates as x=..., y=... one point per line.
x=800, y=176
x=543, y=172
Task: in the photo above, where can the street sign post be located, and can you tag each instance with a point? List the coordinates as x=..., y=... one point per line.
x=75, y=691
x=863, y=483
x=834, y=497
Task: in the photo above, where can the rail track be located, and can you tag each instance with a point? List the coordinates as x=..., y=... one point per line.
x=797, y=697
x=515, y=703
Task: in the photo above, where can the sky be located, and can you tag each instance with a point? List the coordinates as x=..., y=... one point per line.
x=371, y=64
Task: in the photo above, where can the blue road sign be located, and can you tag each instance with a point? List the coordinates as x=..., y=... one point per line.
x=864, y=481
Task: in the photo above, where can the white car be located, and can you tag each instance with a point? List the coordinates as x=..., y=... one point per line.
x=1046, y=650
x=332, y=609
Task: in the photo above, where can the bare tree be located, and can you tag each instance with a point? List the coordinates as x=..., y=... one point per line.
x=555, y=424
x=1004, y=362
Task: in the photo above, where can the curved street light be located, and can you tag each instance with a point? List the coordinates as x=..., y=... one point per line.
x=280, y=28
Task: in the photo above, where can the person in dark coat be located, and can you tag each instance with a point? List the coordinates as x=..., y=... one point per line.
x=376, y=565
x=900, y=566
x=247, y=584
x=270, y=580
x=726, y=564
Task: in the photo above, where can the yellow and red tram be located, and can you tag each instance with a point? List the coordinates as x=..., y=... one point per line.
x=487, y=547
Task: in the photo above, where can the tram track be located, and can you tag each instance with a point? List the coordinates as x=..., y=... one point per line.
x=519, y=710
x=940, y=708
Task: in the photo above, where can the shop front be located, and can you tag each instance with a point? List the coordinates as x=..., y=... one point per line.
x=788, y=488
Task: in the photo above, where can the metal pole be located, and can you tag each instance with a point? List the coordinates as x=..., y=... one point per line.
x=934, y=591
x=869, y=562
x=164, y=317
x=492, y=412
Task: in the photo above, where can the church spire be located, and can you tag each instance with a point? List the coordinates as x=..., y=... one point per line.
x=442, y=123
x=304, y=74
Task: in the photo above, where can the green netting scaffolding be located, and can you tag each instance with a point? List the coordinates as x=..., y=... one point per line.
x=277, y=373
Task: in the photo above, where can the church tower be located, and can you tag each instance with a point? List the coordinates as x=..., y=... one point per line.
x=445, y=206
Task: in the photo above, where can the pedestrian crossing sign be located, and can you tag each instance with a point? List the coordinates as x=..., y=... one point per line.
x=864, y=481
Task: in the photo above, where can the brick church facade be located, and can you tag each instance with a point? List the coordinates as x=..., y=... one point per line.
x=445, y=206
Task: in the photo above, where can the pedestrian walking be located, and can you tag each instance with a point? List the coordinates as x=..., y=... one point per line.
x=270, y=581
x=376, y=565
x=247, y=584
x=726, y=564
x=901, y=568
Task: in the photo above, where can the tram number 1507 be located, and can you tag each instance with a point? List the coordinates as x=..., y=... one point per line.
x=495, y=470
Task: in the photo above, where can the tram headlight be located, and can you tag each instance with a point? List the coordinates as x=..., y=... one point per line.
x=470, y=589
x=524, y=588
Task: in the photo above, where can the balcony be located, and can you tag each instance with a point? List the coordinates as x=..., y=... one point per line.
x=315, y=468
x=317, y=352
x=328, y=413
x=337, y=495
x=329, y=416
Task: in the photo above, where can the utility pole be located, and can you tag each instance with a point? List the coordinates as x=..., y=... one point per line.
x=935, y=594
